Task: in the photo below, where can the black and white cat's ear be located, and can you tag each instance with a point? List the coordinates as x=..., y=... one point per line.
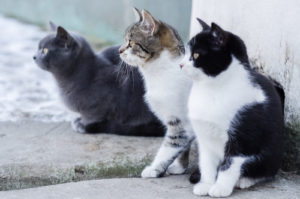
x=138, y=14
x=149, y=23
x=203, y=24
x=219, y=34
x=52, y=26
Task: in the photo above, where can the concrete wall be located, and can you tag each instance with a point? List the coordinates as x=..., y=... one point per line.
x=105, y=19
x=270, y=29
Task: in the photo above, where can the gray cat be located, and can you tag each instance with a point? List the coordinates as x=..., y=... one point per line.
x=99, y=87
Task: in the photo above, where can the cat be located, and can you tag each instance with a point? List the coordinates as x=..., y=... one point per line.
x=236, y=114
x=108, y=98
x=155, y=48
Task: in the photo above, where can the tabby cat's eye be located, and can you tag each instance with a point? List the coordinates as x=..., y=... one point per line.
x=45, y=51
x=131, y=43
x=196, y=55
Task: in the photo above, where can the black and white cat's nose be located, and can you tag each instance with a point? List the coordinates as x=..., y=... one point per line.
x=34, y=57
x=181, y=65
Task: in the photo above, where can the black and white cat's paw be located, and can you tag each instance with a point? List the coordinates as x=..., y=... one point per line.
x=219, y=190
x=176, y=168
x=78, y=126
x=244, y=183
x=202, y=189
x=151, y=172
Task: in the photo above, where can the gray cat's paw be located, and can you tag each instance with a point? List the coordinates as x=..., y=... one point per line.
x=78, y=126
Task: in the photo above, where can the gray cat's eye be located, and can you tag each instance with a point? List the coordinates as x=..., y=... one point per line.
x=45, y=51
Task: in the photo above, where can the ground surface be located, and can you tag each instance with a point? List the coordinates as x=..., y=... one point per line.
x=37, y=153
x=175, y=187
x=34, y=154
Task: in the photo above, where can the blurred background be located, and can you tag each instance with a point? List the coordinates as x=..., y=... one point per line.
x=98, y=19
x=27, y=92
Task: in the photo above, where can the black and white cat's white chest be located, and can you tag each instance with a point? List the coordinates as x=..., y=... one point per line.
x=217, y=100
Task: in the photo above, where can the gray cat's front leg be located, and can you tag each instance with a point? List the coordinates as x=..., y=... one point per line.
x=78, y=126
x=178, y=139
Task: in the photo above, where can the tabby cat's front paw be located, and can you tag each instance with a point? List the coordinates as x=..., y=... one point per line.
x=150, y=172
x=78, y=126
x=176, y=168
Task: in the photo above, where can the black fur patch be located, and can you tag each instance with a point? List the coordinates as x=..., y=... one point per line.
x=195, y=176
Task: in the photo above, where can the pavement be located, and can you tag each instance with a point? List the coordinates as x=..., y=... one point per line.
x=36, y=153
x=50, y=160
x=172, y=187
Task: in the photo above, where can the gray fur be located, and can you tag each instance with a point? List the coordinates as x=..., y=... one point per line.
x=104, y=91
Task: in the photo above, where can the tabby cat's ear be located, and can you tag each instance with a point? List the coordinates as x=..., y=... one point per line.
x=149, y=23
x=52, y=26
x=138, y=14
x=219, y=34
x=63, y=35
x=203, y=24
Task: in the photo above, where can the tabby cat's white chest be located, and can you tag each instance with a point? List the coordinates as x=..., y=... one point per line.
x=167, y=88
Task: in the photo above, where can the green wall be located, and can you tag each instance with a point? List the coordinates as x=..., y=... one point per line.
x=101, y=19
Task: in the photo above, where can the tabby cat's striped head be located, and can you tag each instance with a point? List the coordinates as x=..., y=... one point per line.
x=147, y=38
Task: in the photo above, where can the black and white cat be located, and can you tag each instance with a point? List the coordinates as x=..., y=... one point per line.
x=235, y=112
x=96, y=87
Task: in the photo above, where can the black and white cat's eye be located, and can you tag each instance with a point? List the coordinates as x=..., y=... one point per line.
x=195, y=55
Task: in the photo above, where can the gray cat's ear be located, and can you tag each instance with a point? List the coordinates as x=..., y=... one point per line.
x=52, y=26
x=138, y=14
x=63, y=35
x=149, y=23
x=219, y=34
x=203, y=24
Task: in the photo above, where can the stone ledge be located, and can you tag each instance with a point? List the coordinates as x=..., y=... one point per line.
x=175, y=187
x=36, y=154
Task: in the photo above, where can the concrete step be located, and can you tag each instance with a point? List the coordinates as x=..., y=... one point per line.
x=172, y=187
x=36, y=153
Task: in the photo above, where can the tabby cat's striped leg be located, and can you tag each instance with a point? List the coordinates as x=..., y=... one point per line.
x=180, y=164
x=177, y=140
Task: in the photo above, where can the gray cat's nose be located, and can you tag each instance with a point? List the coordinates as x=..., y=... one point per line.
x=34, y=57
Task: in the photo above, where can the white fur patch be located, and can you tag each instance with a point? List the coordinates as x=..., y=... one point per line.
x=216, y=100
x=131, y=59
x=167, y=88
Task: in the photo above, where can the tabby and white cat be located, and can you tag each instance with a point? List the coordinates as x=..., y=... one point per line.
x=156, y=49
x=235, y=112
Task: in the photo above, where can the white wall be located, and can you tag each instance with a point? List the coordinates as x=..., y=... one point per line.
x=271, y=31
